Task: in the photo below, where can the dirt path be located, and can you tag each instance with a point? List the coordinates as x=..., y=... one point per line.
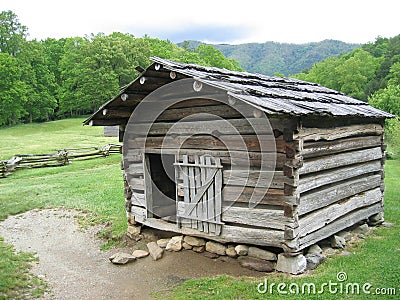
x=70, y=260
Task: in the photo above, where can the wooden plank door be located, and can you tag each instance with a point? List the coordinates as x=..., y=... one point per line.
x=202, y=185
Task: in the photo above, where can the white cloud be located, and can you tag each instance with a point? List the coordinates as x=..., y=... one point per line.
x=216, y=21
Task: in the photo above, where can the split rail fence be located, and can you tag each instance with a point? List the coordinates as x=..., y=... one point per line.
x=61, y=158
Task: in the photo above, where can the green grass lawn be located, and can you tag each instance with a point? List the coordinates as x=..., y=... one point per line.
x=50, y=136
x=93, y=185
x=96, y=186
x=374, y=260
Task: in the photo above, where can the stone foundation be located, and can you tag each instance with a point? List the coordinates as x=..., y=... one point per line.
x=261, y=259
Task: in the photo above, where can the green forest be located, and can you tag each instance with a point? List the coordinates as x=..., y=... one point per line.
x=370, y=73
x=287, y=59
x=57, y=78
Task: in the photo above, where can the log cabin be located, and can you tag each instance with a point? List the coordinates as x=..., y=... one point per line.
x=245, y=158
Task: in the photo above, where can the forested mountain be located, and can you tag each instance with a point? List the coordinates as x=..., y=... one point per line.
x=370, y=73
x=362, y=73
x=270, y=58
x=43, y=80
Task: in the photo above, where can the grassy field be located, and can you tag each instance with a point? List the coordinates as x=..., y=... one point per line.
x=374, y=260
x=93, y=185
x=96, y=186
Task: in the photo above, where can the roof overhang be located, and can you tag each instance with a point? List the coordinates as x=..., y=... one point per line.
x=273, y=95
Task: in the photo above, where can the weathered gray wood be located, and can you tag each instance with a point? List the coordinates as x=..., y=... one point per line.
x=316, y=180
x=139, y=213
x=209, y=142
x=135, y=169
x=177, y=197
x=205, y=177
x=314, y=149
x=111, y=131
x=253, y=177
x=201, y=190
x=182, y=208
x=197, y=200
x=320, y=218
x=218, y=197
x=315, y=134
x=190, y=113
x=210, y=198
x=192, y=192
x=326, y=196
x=244, y=194
x=255, y=236
x=342, y=223
x=137, y=183
x=204, y=202
x=186, y=195
x=148, y=189
x=165, y=210
x=236, y=158
x=267, y=218
x=217, y=127
x=138, y=199
x=229, y=234
x=339, y=160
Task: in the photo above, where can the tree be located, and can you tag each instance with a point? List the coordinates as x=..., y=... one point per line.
x=213, y=57
x=39, y=80
x=387, y=99
x=13, y=91
x=12, y=33
x=350, y=73
x=355, y=71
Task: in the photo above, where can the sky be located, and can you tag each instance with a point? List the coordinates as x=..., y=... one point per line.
x=234, y=22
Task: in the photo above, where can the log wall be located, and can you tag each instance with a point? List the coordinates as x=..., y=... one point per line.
x=264, y=224
x=338, y=177
x=327, y=175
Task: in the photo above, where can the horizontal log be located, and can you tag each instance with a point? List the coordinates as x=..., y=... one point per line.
x=132, y=156
x=252, y=178
x=253, y=236
x=316, y=180
x=229, y=234
x=197, y=113
x=331, y=194
x=318, y=219
x=329, y=134
x=236, y=158
x=339, y=160
x=41, y=165
x=267, y=218
x=339, y=225
x=135, y=169
x=221, y=127
x=136, y=183
x=313, y=149
x=256, y=196
x=223, y=142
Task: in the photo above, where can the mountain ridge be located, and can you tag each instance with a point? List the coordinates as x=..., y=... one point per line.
x=271, y=58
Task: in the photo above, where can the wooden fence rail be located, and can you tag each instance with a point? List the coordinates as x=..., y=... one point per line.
x=61, y=158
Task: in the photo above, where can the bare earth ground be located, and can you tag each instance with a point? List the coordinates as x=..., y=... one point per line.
x=71, y=261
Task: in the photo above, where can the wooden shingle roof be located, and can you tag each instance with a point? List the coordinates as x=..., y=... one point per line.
x=273, y=95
